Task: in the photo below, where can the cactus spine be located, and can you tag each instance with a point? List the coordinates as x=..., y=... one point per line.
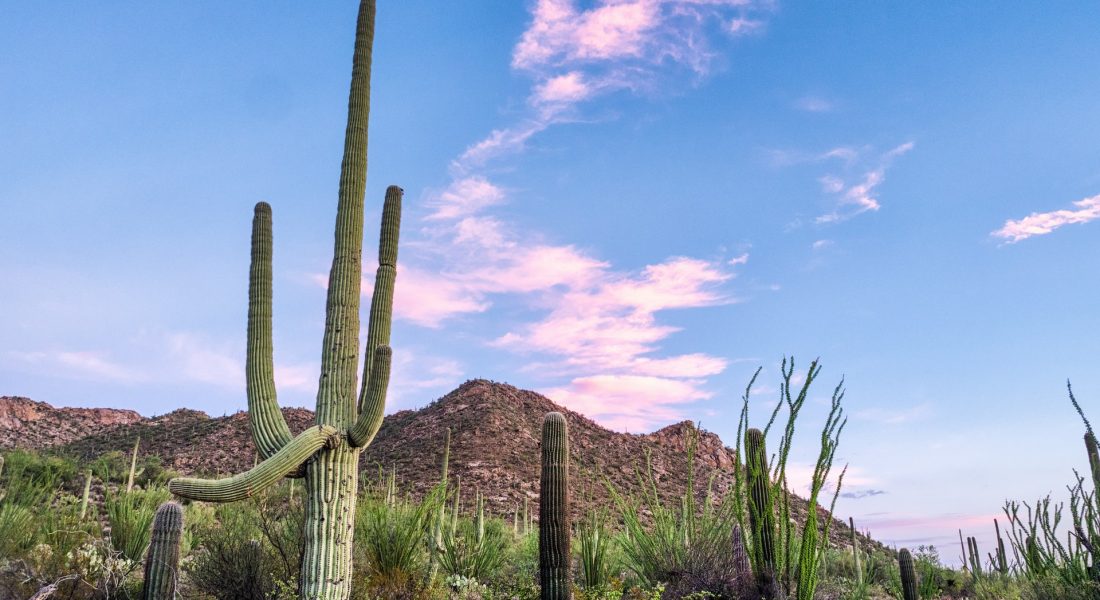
x=554, y=527
x=327, y=454
x=761, y=515
x=908, y=575
x=163, y=557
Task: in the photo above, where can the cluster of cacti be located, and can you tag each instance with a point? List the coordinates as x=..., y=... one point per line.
x=327, y=454
x=163, y=557
x=554, y=519
x=908, y=575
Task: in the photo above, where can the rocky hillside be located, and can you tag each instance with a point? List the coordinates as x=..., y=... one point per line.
x=495, y=446
x=25, y=423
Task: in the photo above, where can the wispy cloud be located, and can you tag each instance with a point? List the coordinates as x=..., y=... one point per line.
x=856, y=195
x=161, y=359
x=578, y=54
x=81, y=365
x=860, y=494
x=813, y=104
x=1087, y=209
x=596, y=327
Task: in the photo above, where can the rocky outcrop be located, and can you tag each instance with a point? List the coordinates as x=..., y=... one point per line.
x=25, y=423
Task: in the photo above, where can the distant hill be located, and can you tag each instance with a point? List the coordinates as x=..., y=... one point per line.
x=495, y=431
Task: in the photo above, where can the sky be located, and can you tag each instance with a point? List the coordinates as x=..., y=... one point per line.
x=626, y=205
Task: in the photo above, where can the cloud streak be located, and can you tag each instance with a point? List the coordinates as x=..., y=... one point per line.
x=1086, y=209
x=859, y=196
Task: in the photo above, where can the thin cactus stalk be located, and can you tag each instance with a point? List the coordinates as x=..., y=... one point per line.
x=975, y=557
x=133, y=467
x=162, y=560
x=554, y=527
x=855, y=551
x=761, y=515
x=1, y=464
x=908, y=575
x=480, y=518
x=327, y=454
x=86, y=494
x=962, y=547
x=1002, y=556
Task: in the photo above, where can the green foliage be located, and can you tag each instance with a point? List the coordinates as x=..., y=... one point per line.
x=594, y=552
x=131, y=517
x=390, y=538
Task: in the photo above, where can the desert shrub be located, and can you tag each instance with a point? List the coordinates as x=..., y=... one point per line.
x=130, y=516
x=390, y=545
x=596, y=553
x=247, y=550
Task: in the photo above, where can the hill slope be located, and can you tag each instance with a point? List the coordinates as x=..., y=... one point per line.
x=495, y=446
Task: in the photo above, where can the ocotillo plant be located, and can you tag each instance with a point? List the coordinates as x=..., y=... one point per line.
x=908, y=575
x=162, y=562
x=327, y=454
x=554, y=526
x=761, y=515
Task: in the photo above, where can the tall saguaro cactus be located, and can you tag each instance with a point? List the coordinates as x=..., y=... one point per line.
x=761, y=515
x=162, y=561
x=908, y=575
x=327, y=454
x=554, y=527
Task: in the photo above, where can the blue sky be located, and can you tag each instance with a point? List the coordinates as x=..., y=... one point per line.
x=626, y=205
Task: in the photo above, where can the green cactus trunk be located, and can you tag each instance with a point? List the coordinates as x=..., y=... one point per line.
x=327, y=454
x=761, y=515
x=742, y=568
x=908, y=575
x=554, y=528
x=162, y=561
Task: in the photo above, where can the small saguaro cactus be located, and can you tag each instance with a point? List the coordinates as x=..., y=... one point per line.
x=741, y=567
x=347, y=418
x=133, y=467
x=761, y=515
x=908, y=575
x=1002, y=556
x=554, y=527
x=162, y=561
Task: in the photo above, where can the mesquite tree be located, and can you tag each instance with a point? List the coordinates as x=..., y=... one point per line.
x=327, y=454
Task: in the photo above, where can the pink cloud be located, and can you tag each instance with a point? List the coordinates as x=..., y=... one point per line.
x=859, y=197
x=464, y=197
x=427, y=298
x=1088, y=209
x=568, y=89
x=627, y=402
